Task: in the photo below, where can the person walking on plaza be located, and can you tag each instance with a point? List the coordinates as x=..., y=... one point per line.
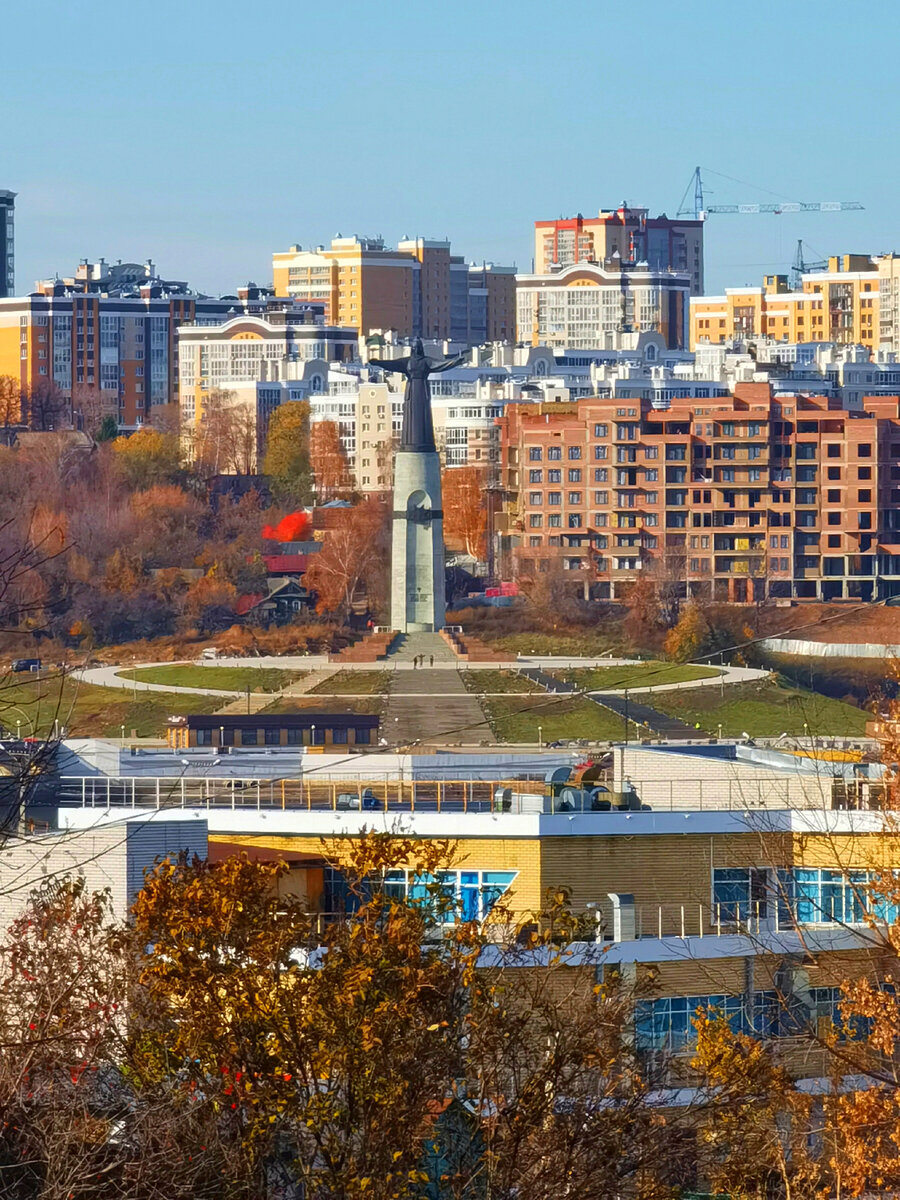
x=431, y=663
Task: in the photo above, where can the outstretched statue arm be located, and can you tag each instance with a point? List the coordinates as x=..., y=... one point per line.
x=390, y=364
x=448, y=363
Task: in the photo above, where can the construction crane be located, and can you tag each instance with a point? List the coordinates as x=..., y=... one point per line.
x=801, y=265
x=700, y=211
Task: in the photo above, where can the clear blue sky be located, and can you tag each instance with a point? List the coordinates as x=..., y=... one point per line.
x=208, y=133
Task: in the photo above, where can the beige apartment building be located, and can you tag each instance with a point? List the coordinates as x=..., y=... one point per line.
x=418, y=289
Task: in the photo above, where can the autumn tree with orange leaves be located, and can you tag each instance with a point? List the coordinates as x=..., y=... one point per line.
x=374, y=1060
x=465, y=504
x=355, y=557
x=327, y=459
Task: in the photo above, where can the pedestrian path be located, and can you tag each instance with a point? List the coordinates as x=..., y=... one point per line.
x=430, y=705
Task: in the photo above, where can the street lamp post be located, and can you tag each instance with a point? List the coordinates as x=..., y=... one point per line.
x=221, y=736
x=540, y=737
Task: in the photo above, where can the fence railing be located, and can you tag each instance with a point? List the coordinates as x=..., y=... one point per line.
x=516, y=796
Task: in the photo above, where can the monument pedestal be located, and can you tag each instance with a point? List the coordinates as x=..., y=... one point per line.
x=417, y=558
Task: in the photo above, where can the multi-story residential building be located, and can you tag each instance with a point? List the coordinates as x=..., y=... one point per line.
x=418, y=289
x=7, y=243
x=659, y=243
x=277, y=344
x=839, y=305
x=735, y=498
x=114, y=350
x=584, y=306
x=491, y=310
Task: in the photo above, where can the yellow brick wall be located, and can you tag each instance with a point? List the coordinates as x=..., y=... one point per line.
x=694, y=977
x=481, y=854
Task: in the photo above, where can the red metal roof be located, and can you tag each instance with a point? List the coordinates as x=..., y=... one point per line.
x=245, y=603
x=291, y=563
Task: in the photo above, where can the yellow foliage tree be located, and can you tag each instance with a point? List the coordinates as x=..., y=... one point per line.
x=148, y=457
x=286, y=460
x=686, y=639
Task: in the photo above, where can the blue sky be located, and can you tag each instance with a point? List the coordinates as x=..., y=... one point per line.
x=208, y=133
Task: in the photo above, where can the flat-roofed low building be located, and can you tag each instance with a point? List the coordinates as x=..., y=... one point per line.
x=309, y=728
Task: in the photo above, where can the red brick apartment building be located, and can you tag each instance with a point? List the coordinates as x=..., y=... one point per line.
x=742, y=497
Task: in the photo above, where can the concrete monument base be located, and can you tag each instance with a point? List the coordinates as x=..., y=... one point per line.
x=417, y=558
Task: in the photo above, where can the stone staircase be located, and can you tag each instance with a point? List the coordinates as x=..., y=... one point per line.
x=409, y=646
x=252, y=704
x=474, y=650
x=372, y=648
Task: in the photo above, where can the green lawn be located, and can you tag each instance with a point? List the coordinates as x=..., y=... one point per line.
x=354, y=683
x=325, y=704
x=651, y=674
x=584, y=645
x=559, y=719
x=763, y=709
x=486, y=682
x=87, y=711
x=225, y=679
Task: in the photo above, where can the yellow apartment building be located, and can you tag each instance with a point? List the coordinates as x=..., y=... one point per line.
x=838, y=305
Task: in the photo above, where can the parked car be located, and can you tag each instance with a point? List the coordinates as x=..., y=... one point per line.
x=26, y=664
x=365, y=799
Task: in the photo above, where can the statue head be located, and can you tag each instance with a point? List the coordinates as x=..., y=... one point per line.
x=418, y=349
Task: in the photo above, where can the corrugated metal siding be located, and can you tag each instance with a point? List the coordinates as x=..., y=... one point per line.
x=152, y=840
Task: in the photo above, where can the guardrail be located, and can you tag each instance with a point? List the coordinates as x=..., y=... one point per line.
x=466, y=795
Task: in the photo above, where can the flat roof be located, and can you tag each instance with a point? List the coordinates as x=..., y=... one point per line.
x=295, y=720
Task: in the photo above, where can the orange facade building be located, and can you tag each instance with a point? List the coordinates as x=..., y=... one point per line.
x=735, y=499
x=112, y=353
x=629, y=234
x=418, y=289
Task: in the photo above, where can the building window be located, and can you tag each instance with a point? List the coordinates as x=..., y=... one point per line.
x=534, y=454
x=535, y=498
x=362, y=737
x=535, y=521
x=554, y=497
x=575, y=451
x=739, y=894
x=819, y=896
x=273, y=737
x=535, y=476
x=668, y=1023
x=249, y=737
x=574, y=520
x=554, y=453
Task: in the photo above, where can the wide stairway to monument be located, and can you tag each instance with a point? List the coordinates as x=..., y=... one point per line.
x=429, y=705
